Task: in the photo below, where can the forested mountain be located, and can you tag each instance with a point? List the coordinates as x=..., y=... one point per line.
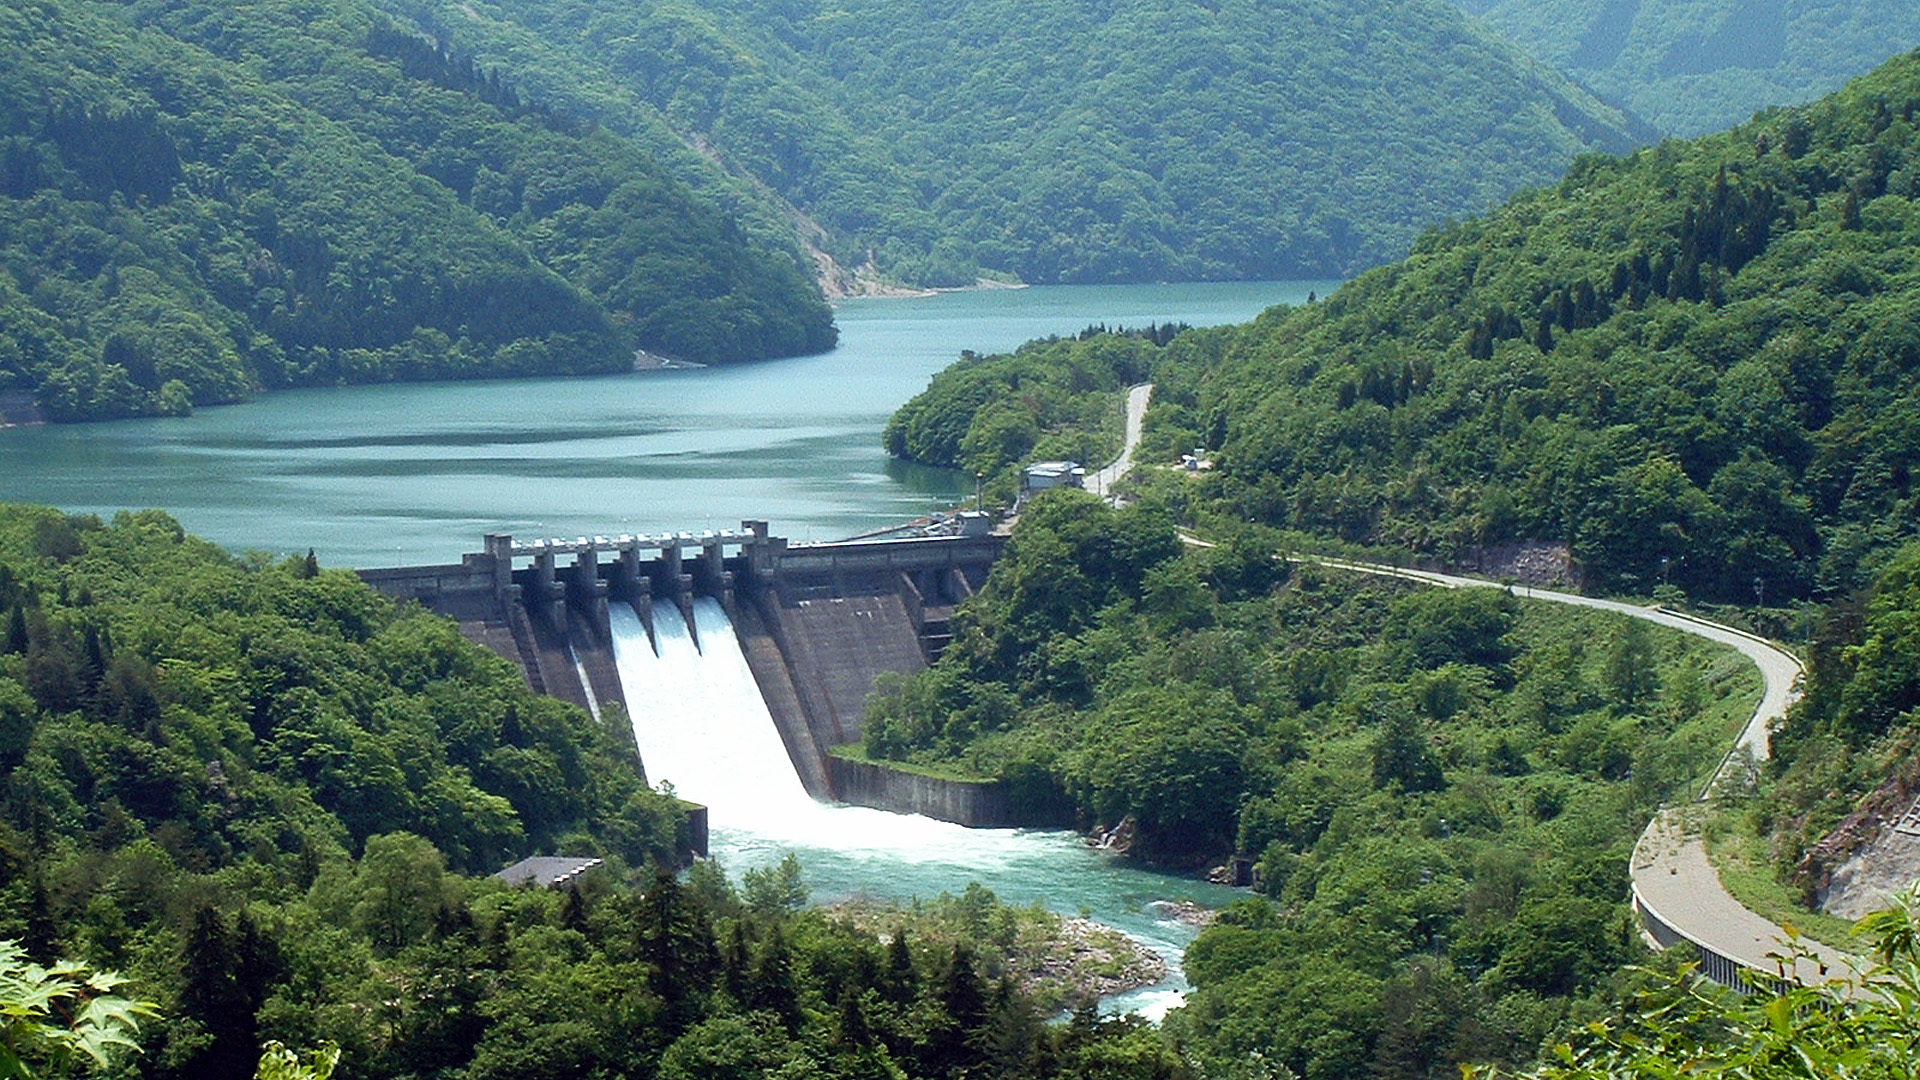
x=1066, y=141
x=198, y=201
x=1692, y=66
x=1699, y=366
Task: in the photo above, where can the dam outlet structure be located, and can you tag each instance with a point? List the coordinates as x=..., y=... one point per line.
x=624, y=619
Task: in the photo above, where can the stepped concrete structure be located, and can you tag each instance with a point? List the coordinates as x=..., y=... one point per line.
x=819, y=623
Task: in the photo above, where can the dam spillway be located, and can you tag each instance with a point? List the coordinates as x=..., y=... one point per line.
x=703, y=726
x=811, y=625
x=815, y=626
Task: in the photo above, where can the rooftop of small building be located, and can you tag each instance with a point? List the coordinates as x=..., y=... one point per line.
x=548, y=871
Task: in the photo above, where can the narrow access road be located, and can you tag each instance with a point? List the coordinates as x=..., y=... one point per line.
x=1102, y=481
x=1673, y=881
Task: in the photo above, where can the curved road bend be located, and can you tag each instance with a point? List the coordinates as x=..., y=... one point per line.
x=1675, y=889
x=1102, y=481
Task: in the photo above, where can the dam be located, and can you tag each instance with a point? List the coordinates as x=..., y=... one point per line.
x=816, y=625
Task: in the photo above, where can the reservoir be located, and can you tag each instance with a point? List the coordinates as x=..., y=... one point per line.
x=410, y=474
x=416, y=473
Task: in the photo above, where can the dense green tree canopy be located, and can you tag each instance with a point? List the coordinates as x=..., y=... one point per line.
x=1693, y=364
x=272, y=800
x=1438, y=787
x=1696, y=366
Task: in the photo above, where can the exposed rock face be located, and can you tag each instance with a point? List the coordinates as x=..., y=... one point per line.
x=1868, y=881
x=1528, y=562
x=1865, y=859
x=1118, y=839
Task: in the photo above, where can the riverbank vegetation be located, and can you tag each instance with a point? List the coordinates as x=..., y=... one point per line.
x=1063, y=963
x=272, y=801
x=198, y=202
x=1440, y=787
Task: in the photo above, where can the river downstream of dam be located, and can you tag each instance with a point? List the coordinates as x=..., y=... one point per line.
x=415, y=474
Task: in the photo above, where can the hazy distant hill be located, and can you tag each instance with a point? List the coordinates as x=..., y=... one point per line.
x=1690, y=66
x=1060, y=140
x=200, y=201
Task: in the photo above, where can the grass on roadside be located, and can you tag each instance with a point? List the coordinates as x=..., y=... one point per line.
x=1744, y=868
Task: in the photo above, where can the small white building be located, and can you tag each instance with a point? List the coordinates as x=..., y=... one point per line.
x=1042, y=475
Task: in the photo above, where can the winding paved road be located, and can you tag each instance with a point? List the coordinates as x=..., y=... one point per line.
x=1102, y=481
x=1676, y=890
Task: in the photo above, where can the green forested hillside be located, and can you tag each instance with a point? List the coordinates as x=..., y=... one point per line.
x=1692, y=66
x=1440, y=787
x=1699, y=366
x=1061, y=141
x=201, y=201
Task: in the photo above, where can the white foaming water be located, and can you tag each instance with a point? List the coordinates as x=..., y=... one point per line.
x=702, y=726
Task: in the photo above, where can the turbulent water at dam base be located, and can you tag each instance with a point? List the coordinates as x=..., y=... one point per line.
x=414, y=474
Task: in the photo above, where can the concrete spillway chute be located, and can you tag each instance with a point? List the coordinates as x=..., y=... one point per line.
x=816, y=622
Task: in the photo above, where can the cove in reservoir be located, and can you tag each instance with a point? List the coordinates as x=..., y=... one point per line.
x=410, y=474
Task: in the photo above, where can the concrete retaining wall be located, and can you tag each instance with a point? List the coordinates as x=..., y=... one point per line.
x=980, y=805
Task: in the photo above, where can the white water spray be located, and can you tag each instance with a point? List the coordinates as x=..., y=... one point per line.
x=701, y=724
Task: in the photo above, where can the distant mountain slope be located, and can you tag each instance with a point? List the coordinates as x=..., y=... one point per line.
x=197, y=202
x=1691, y=66
x=1056, y=141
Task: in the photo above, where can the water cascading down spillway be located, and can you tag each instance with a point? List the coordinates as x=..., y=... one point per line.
x=701, y=725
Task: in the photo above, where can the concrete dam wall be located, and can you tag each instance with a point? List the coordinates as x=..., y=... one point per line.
x=818, y=623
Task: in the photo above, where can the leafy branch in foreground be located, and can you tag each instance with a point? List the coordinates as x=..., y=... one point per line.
x=279, y=1063
x=1867, y=1027
x=58, y=1013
